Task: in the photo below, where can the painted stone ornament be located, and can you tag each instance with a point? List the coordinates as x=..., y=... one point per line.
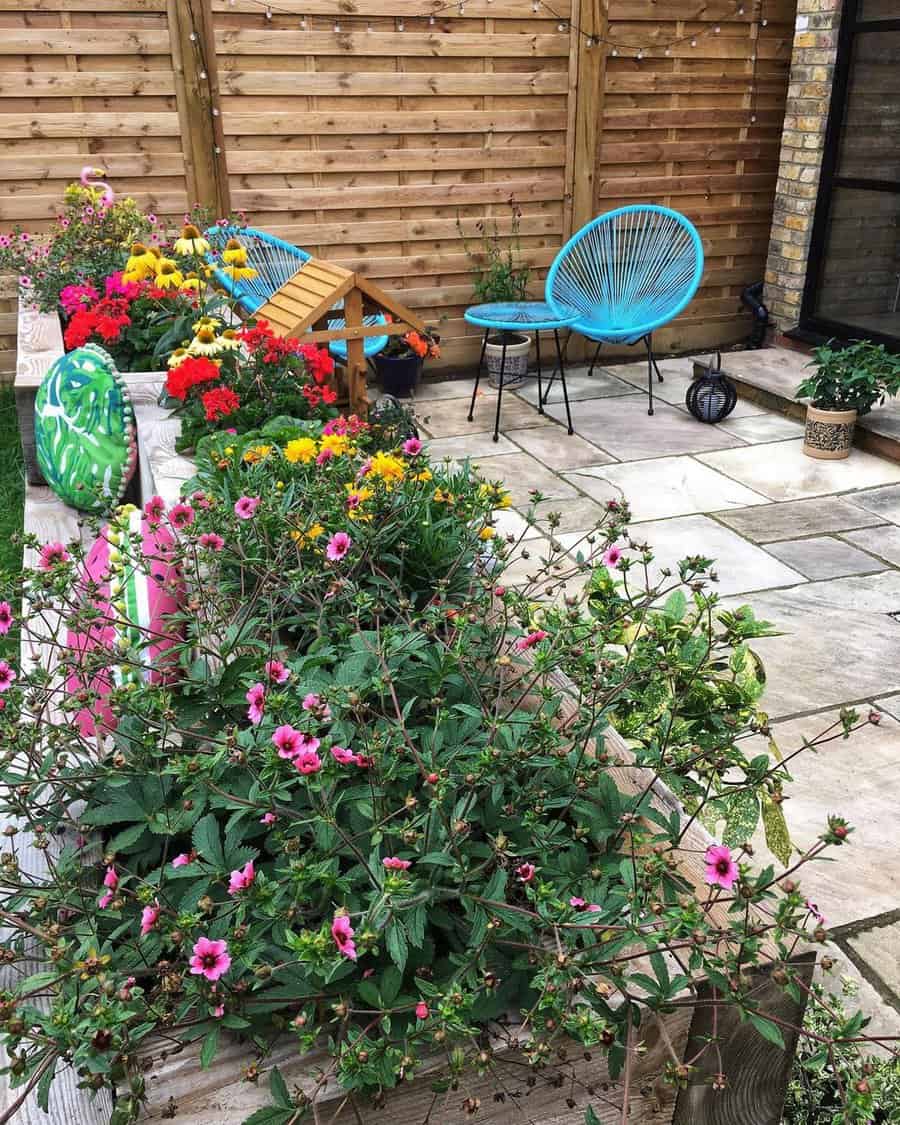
x=84, y=430
x=131, y=588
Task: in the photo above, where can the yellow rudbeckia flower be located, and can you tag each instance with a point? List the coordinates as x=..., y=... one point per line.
x=486, y=533
x=168, y=275
x=388, y=467
x=234, y=253
x=206, y=342
x=442, y=496
x=240, y=273
x=178, y=356
x=256, y=453
x=191, y=242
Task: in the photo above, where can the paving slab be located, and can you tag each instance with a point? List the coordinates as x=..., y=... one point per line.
x=450, y=417
x=623, y=428
x=825, y=557
x=883, y=542
x=741, y=566
x=678, y=374
x=580, y=386
x=472, y=445
x=857, y=994
x=861, y=878
x=837, y=642
x=890, y=703
x=663, y=487
x=879, y=947
x=781, y=471
x=521, y=474
x=884, y=502
x=429, y=391
x=763, y=427
x=796, y=518
x=558, y=449
x=577, y=514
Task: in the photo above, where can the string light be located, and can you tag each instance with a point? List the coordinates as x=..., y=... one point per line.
x=717, y=29
x=336, y=28
x=400, y=25
x=431, y=21
x=303, y=23
x=693, y=42
x=640, y=55
x=203, y=74
x=268, y=13
x=560, y=27
x=215, y=111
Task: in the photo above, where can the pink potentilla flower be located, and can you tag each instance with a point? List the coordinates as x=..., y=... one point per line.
x=149, y=918
x=219, y=1011
x=525, y=872
x=309, y=742
x=210, y=959
x=211, y=541
x=577, y=902
x=181, y=515
x=7, y=676
x=343, y=755
x=353, y=501
x=199, y=499
x=181, y=860
x=25, y=236
x=364, y=761
x=241, y=879
x=245, y=508
x=268, y=818
x=111, y=879
x=65, y=223
x=721, y=870
x=531, y=640
x=88, y=211
x=814, y=910
x=287, y=741
x=392, y=863
x=277, y=671
x=314, y=702
x=231, y=430
x=421, y=1010
x=5, y=241
x=611, y=556
x=25, y=281
x=53, y=554
x=412, y=446
x=256, y=697
x=152, y=219
x=338, y=546
x=325, y=455
x=307, y=761
x=154, y=510
x=105, y=900
x=364, y=469
x=343, y=934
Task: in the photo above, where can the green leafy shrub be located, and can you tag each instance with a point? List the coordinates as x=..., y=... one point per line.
x=854, y=377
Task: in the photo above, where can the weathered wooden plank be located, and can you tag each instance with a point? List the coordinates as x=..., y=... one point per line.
x=47, y=206
x=262, y=162
x=282, y=41
x=67, y=166
x=83, y=41
x=395, y=84
x=88, y=125
x=280, y=124
x=492, y=9
x=82, y=83
x=396, y=196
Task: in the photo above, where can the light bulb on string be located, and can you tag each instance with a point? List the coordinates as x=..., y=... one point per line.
x=401, y=26
x=667, y=52
x=614, y=51
x=717, y=29
x=337, y=27
x=693, y=42
x=193, y=37
x=764, y=22
x=303, y=23
x=215, y=111
x=431, y=21
x=560, y=27
x=640, y=55
x=203, y=74
x=589, y=43
x=268, y=13
x=740, y=11
x=535, y=6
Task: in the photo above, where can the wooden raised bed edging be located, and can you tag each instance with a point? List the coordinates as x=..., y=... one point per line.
x=178, y=1088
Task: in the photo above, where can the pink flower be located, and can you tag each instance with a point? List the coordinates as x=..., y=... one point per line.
x=499, y=591
x=181, y=860
x=181, y=515
x=577, y=902
x=52, y=554
x=314, y=702
x=308, y=761
x=7, y=676
x=245, y=507
x=364, y=761
x=211, y=541
x=154, y=510
x=210, y=959
x=219, y=1011
x=721, y=870
x=200, y=500
x=421, y=1010
x=343, y=934
x=241, y=880
x=268, y=818
x=288, y=741
x=531, y=640
x=338, y=546
x=111, y=879
x=277, y=672
x=611, y=556
x=256, y=697
x=343, y=755
x=412, y=446
x=6, y=618
x=325, y=455
x=392, y=863
x=814, y=910
x=149, y=918
x=525, y=872
x=105, y=900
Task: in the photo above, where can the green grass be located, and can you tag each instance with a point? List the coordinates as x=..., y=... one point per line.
x=12, y=499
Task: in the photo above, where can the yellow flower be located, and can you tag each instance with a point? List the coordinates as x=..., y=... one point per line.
x=140, y=263
x=314, y=532
x=337, y=443
x=234, y=253
x=301, y=450
x=442, y=496
x=237, y=273
x=497, y=495
x=388, y=467
x=191, y=241
x=425, y=475
x=229, y=340
x=256, y=453
x=191, y=282
x=168, y=275
x=178, y=356
x=206, y=342
x=486, y=533
x=206, y=322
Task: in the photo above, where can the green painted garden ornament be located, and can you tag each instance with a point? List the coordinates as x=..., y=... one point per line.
x=84, y=430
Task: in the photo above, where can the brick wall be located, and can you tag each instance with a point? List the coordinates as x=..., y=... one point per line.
x=802, y=143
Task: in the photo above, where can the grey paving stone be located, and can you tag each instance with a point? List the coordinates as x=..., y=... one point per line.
x=798, y=517
x=763, y=427
x=884, y=502
x=579, y=386
x=521, y=473
x=890, y=703
x=677, y=377
x=845, y=982
x=470, y=445
x=448, y=388
x=879, y=947
x=578, y=514
x=824, y=557
x=558, y=449
x=883, y=542
x=449, y=417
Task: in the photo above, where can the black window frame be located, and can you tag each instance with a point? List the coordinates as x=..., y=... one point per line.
x=812, y=324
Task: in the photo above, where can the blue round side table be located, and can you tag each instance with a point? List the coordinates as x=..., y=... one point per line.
x=513, y=316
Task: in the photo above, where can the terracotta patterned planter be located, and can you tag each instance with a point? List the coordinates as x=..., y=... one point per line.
x=829, y=433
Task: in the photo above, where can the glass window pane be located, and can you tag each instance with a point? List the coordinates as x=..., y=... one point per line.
x=870, y=138
x=860, y=280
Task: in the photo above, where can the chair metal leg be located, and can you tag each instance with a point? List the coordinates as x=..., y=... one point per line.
x=500, y=390
x=478, y=373
x=537, y=344
x=653, y=358
x=650, y=365
x=594, y=360
x=562, y=376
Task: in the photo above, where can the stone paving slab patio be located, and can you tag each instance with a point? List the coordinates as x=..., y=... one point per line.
x=812, y=546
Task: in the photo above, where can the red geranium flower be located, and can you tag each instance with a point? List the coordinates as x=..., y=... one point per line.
x=219, y=403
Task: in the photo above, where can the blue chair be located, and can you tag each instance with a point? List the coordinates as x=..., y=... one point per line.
x=627, y=273
x=275, y=262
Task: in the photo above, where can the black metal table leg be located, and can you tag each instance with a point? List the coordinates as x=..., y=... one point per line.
x=537, y=344
x=500, y=390
x=594, y=360
x=562, y=376
x=649, y=373
x=478, y=372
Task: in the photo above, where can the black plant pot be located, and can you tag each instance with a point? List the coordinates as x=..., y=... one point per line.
x=398, y=374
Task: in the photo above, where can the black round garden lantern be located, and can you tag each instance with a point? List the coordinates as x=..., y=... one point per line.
x=711, y=397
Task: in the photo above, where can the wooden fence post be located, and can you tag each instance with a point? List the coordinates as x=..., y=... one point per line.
x=197, y=93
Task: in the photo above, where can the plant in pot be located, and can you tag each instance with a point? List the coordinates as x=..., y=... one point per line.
x=499, y=278
x=399, y=366
x=846, y=383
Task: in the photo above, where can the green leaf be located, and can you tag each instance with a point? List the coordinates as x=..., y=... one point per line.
x=778, y=838
x=415, y=926
x=767, y=1029
x=270, y=1115
x=397, y=945
x=741, y=817
x=280, y=1094
x=206, y=840
x=209, y=1048
x=591, y=1118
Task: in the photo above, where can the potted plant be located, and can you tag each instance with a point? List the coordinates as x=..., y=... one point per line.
x=399, y=366
x=499, y=277
x=847, y=382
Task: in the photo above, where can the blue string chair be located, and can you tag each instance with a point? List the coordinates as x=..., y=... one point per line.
x=276, y=262
x=627, y=272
